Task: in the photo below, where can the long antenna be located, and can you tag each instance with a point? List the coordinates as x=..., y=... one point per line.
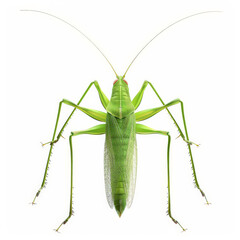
x=163, y=31
x=29, y=10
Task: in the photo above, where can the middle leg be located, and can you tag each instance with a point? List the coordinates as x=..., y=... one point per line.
x=96, y=130
x=142, y=129
x=145, y=114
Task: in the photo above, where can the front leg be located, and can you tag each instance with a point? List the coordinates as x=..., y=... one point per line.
x=138, y=98
x=104, y=100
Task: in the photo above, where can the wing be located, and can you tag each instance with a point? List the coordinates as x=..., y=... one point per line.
x=108, y=158
x=124, y=130
x=131, y=160
x=112, y=168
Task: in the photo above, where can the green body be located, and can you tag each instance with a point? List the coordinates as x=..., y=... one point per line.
x=120, y=125
x=120, y=153
x=120, y=161
x=120, y=158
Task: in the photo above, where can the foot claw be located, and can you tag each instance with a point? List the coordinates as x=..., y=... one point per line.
x=178, y=136
x=56, y=230
x=43, y=144
x=51, y=142
x=191, y=143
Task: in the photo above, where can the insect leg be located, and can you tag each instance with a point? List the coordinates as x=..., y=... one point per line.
x=150, y=112
x=98, y=115
x=142, y=129
x=96, y=130
x=104, y=100
x=138, y=98
x=95, y=114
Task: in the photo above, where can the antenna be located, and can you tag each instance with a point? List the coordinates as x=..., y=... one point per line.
x=29, y=10
x=163, y=31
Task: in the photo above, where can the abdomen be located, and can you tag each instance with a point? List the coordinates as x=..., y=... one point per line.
x=120, y=161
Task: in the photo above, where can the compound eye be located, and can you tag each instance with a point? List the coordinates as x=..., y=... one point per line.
x=125, y=82
x=115, y=81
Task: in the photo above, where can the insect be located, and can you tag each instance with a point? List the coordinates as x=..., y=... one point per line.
x=120, y=124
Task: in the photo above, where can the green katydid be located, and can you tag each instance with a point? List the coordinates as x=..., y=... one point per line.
x=120, y=125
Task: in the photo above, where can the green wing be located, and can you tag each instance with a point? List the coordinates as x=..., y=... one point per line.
x=108, y=160
x=120, y=157
x=132, y=166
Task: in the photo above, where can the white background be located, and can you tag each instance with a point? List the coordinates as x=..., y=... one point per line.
x=47, y=61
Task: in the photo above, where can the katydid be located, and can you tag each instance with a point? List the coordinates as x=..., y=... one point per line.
x=120, y=126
